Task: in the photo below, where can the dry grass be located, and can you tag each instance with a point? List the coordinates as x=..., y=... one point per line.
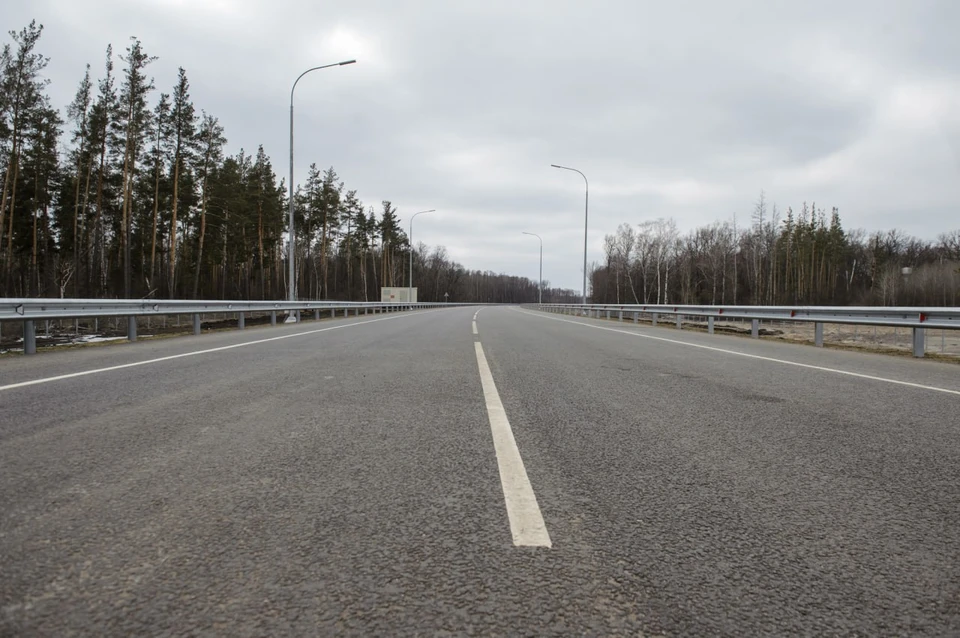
x=943, y=345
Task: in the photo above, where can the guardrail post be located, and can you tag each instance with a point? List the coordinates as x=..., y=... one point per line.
x=132, y=328
x=241, y=320
x=755, y=328
x=818, y=334
x=366, y=311
x=608, y=314
x=710, y=325
x=621, y=315
x=196, y=324
x=654, y=318
x=679, y=322
x=316, y=315
x=918, y=342
x=29, y=337
x=636, y=317
x=273, y=317
x=346, y=312
x=298, y=316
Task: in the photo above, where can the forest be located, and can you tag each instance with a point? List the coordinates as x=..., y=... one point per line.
x=802, y=257
x=130, y=193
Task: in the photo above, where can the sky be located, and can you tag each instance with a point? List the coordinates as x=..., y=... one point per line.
x=685, y=109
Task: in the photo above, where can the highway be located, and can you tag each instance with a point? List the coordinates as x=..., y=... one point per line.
x=388, y=476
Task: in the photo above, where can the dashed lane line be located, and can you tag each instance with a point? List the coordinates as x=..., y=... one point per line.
x=526, y=521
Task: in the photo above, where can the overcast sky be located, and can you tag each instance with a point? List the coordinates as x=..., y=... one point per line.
x=682, y=109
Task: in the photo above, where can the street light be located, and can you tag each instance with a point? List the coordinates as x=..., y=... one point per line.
x=410, y=289
x=586, y=208
x=540, y=296
x=292, y=296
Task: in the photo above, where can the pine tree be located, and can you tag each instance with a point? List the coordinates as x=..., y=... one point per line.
x=308, y=217
x=132, y=124
x=161, y=140
x=270, y=219
x=352, y=211
x=212, y=142
x=42, y=161
x=79, y=113
x=23, y=88
x=390, y=236
x=184, y=146
x=102, y=117
x=330, y=209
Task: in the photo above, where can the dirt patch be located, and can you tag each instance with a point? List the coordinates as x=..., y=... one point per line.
x=939, y=344
x=90, y=332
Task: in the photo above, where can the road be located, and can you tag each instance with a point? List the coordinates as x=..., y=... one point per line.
x=366, y=476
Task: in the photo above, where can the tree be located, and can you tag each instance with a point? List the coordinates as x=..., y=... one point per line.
x=184, y=144
x=330, y=220
x=23, y=88
x=79, y=114
x=950, y=245
x=132, y=122
x=161, y=139
x=41, y=164
x=211, y=154
x=102, y=116
x=391, y=236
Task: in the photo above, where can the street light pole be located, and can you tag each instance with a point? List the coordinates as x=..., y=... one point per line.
x=540, y=295
x=292, y=287
x=586, y=210
x=410, y=288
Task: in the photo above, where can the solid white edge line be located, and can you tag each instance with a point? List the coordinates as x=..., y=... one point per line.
x=526, y=521
x=23, y=384
x=748, y=355
x=475, y=328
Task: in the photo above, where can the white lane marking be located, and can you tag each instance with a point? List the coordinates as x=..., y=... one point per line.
x=475, y=315
x=752, y=356
x=84, y=373
x=526, y=522
x=475, y=328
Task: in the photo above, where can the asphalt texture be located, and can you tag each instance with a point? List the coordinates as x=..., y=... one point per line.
x=342, y=480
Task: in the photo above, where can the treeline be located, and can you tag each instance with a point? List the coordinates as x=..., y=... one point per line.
x=802, y=257
x=130, y=193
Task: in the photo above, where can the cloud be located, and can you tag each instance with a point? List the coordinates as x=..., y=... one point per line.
x=684, y=109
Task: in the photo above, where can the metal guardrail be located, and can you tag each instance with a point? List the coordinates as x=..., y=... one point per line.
x=918, y=319
x=30, y=310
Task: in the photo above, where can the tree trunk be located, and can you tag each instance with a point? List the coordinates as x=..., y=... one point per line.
x=3, y=200
x=76, y=220
x=263, y=275
x=323, y=253
x=98, y=239
x=156, y=217
x=173, y=226
x=34, y=269
x=13, y=201
x=203, y=232
x=124, y=235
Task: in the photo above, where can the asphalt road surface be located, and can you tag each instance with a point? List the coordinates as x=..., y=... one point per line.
x=368, y=476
